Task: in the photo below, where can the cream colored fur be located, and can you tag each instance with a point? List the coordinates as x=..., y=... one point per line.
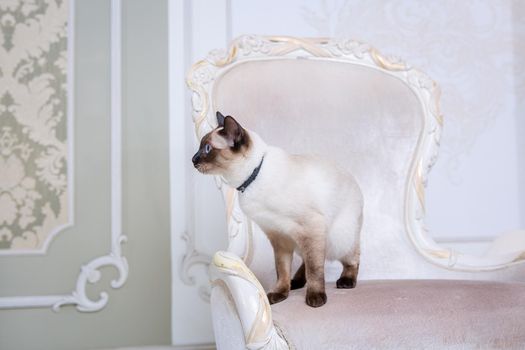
x=299, y=195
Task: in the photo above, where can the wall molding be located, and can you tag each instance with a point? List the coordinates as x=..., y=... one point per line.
x=193, y=27
x=181, y=24
x=90, y=272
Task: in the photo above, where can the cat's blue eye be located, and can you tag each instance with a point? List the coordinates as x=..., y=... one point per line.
x=207, y=148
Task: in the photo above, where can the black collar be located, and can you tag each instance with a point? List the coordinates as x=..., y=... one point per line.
x=252, y=177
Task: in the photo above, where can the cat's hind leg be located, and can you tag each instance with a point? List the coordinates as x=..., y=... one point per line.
x=299, y=279
x=345, y=244
x=348, y=277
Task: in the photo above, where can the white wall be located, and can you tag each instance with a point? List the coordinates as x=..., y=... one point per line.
x=474, y=50
x=198, y=221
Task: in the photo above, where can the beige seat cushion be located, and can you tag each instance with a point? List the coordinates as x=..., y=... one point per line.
x=408, y=314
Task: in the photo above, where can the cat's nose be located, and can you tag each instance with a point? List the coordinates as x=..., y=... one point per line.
x=195, y=158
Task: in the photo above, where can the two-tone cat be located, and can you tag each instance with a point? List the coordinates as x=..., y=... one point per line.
x=302, y=203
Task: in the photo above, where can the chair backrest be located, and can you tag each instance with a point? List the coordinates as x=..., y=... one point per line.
x=342, y=99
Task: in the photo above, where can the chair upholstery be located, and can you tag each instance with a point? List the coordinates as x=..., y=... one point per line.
x=380, y=119
x=408, y=314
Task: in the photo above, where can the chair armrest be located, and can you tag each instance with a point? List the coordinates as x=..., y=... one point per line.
x=249, y=297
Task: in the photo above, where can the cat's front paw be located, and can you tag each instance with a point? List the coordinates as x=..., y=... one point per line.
x=346, y=282
x=274, y=297
x=315, y=299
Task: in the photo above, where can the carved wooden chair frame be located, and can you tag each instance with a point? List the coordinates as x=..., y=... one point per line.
x=229, y=267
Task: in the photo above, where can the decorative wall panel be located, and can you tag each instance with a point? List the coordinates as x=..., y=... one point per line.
x=35, y=129
x=90, y=271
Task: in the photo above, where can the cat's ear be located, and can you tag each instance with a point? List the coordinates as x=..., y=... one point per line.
x=233, y=132
x=220, y=119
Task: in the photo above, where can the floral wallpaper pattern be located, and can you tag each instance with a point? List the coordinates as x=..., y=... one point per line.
x=34, y=155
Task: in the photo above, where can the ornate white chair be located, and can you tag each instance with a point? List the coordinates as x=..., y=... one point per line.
x=380, y=118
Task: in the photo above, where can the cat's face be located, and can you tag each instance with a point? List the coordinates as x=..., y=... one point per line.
x=222, y=148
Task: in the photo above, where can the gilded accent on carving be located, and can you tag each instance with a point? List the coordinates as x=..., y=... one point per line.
x=230, y=202
x=385, y=63
x=441, y=254
x=419, y=185
x=195, y=80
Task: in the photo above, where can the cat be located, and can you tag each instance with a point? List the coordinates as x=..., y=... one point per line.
x=302, y=203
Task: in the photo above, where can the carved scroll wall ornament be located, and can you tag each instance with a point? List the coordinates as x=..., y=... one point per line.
x=202, y=75
x=91, y=271
x=36, y=157
x=191, y=258
x=241, y=244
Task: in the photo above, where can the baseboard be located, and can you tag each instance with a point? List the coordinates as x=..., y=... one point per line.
x=209, y=346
